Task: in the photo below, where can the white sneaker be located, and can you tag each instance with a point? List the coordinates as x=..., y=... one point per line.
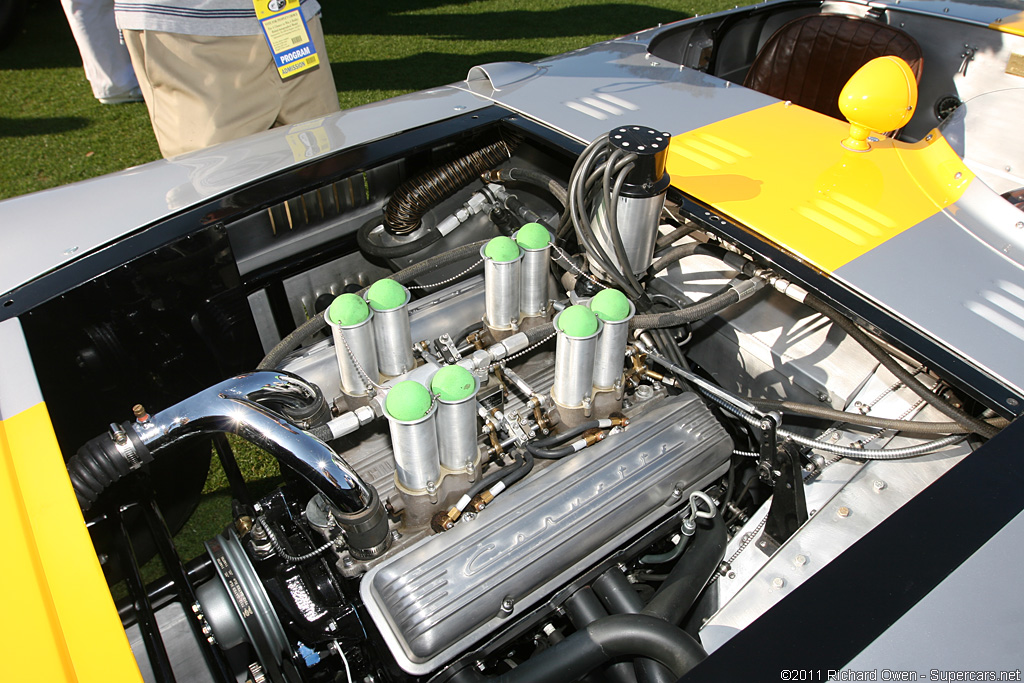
x=133, y=95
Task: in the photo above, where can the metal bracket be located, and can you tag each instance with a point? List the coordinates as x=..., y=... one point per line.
x=789, y=504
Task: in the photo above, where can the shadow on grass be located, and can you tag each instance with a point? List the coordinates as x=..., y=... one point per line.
x=22, y=128
x=417, y=72
x=578, y=20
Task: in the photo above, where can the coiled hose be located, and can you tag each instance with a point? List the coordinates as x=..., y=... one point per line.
x=415, y=197
x=318, y=322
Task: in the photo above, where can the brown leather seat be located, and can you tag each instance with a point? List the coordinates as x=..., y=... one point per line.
x=809, y=60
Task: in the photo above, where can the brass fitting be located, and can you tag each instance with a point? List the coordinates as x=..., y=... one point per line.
x=543, y=423
x=481, y=500
x=443, y=521
x=243, y=525
x=592, y=436
x=619, y=421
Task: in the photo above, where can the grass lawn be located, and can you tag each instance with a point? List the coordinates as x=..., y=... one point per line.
x=53, y=132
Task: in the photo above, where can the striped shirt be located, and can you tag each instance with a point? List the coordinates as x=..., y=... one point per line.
x=195, y=17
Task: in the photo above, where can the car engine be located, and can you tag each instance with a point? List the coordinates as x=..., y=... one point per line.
x=537, y=421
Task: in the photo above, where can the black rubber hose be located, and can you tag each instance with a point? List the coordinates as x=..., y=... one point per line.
x=678, y=592
x=536, y=334
x=518, y=473
x=618, y=635
x=619, y=596
x=970, y=423
x=687, y=314
x=550, y=453
x=416, y=196
x=826, y=413
x=528, y=176
x=318, y=322
x=667, y=240
x=99, y=463
x=673, y=254
x=562, y=437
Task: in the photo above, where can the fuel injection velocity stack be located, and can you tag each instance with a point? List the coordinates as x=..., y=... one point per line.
x=615, y=311
x=577, y=331
x=351, y=323
x=390, y=303
x=535, y=242
x=411, y=415
x=456, y=390
x=502, y=264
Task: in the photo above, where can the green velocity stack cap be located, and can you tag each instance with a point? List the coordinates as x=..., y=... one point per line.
x=577, y=321
x=385, y=294
x=348, y=309
x=407, y=401
x=533, y=236
x=610, y=305
x=453, y=383
x=502, y=249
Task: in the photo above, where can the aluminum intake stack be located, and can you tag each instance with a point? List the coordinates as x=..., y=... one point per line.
x=390, y=303
x=535, y=242
x=613, y=309
x=502, y=264
x=411, y=417
x=351, y=322
x=576, y=346
x=456, y=389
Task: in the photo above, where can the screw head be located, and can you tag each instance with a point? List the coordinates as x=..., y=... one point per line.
x=843, y=511
x=800, y=560
x=778, y=582
x=731, y=575
x=508, y=604
x=878, y=485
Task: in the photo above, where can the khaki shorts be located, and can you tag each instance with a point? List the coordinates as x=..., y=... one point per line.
x=201, y=90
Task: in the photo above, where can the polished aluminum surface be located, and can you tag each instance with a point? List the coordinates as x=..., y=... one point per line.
x=446, y=592
x=394, y=339
x=611, y=351
x=457, y=429
x=533, y=291
x=501, y=282
x=574, y=366
x=359, y=343
x=637, y=220
x=417, y=457
x=235, y=406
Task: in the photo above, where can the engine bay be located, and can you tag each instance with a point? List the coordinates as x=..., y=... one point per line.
x=523, y=436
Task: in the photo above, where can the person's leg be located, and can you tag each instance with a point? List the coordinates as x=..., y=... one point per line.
x=107, y=63
x=201, y=90
x=310, y=94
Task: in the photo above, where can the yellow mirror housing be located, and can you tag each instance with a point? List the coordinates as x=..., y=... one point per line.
x=880, y=97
